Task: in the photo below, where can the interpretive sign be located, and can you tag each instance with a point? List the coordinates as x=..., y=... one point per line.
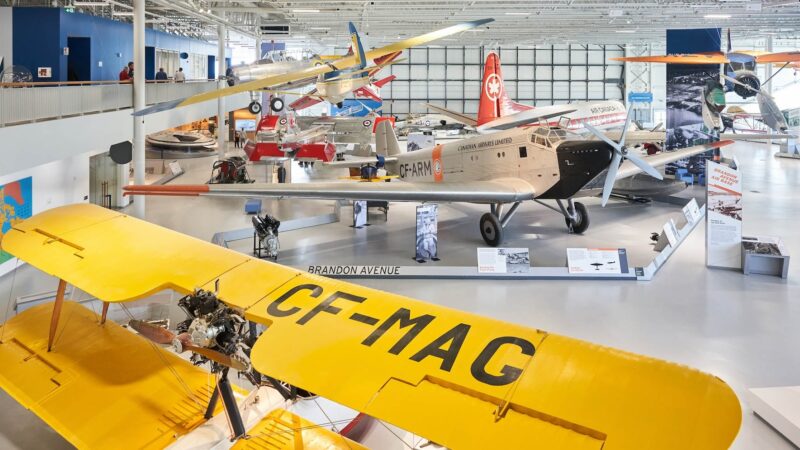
x=724, y=218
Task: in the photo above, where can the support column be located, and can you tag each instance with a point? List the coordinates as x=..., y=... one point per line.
x=258, y=57
x=138, y=104
x=769, y=69
x=222, y=130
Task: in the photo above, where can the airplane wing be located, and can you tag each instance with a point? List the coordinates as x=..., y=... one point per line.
x=463, y=118
x=314, y=71
x=694, y=58
x=305, y=101
x=628, y=169
x=527, y=117
x=782, y=57
x=637, y=136
x=461, y=380
x=501, y=190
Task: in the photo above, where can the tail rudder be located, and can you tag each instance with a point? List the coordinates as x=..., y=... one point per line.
x=385, y=140
x=358, y=49
x=494, y=100
x=491, y=89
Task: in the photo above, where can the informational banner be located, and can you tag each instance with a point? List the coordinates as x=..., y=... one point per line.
x=724, y=218
x=359, y=213
x=504, y=260
x=16, y=205
x=597, y=260
x=687, y=86
x=427, y=244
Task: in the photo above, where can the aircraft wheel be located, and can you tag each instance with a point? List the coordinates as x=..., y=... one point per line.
x=254, y=107
x=276, y=104
x=340, y=105
x=491, y=230
x=581, y=222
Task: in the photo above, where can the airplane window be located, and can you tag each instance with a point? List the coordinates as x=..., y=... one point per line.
x=523, y=152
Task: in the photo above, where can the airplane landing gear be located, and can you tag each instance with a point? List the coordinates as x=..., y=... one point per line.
x=254, y=107
x=276, y=104
x=576, y=216
x=493, y=223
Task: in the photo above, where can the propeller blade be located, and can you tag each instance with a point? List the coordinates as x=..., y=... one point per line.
x=642, y=164
x=611, y=177
x=152, y=332
x=602, y=136
x=625, y=128
x=217, y=357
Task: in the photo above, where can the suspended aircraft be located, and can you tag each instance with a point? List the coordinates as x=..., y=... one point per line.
x=333, y=79
x=504, y=168
x=460, y=380
x=739, y=75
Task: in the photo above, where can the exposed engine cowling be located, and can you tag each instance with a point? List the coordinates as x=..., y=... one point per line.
x=212, y=324
x=748, y=79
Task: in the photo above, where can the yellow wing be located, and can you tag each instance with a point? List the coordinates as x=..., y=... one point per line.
x=102, y=387
x=782, y=57
x=695, y=58
x=323, y=68
x=461, y=380
x=283, y=430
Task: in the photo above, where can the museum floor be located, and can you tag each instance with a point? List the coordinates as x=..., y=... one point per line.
x=743, y=329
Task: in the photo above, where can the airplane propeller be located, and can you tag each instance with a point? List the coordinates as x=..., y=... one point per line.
x=182, y=342
x=620, y=153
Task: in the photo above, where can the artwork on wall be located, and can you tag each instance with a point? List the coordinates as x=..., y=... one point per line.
x=16, y=205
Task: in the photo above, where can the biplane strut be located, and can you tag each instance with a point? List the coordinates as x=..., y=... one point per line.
x=57, y=305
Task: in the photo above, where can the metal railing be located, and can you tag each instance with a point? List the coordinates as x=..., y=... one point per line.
x=32, y=102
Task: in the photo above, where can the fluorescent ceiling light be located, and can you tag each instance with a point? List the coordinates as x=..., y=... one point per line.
x=122, y=13
x=89, y=4
x=717, y=16
x=518, y=14
x=305, y=10
x=625, y=31
x=319, y=28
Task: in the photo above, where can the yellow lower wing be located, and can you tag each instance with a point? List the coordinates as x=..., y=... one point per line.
x=461, y=380
x=283, y=430
x=102, y=386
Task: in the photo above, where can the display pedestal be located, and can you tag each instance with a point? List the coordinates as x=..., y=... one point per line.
x=780, y=408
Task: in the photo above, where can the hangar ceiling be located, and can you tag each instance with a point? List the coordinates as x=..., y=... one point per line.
x=322, y=22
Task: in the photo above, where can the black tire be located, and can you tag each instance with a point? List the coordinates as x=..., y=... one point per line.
x=276, y=104
x=340, y=105
x=582, y=222
x=491, y=230
x=254, y=107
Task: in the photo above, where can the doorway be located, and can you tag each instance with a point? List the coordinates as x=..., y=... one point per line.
x=79, y=60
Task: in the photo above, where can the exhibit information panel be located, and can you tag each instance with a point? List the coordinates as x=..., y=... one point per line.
x=504, y=260
x=427, y=240
x=724, y=218
x=597, y=260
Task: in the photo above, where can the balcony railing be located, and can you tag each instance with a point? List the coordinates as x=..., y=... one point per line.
x=33, y=102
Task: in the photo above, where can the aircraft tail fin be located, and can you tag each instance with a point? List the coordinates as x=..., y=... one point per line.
x=358, y=49
x=494, y=101
x=385, y=140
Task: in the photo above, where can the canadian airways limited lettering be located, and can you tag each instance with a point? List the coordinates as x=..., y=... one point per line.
x=446, y=347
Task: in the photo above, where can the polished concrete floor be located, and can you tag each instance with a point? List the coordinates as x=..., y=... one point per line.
x=743, y=329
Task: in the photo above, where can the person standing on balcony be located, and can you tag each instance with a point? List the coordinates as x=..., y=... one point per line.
x=130, y=70
x=161, y=75
x=124, y=74
x=180, y=77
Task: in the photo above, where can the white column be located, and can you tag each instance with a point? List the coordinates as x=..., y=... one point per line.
x=222, y=130
x=769, y=74
x=138, y=104
x=258, y=57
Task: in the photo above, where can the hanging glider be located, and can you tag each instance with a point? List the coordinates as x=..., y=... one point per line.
x=459, y=379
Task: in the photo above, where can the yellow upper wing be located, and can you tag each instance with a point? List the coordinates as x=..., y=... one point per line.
x=461, y=380
x=323, y=68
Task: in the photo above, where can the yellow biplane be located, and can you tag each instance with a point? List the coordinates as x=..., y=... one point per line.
x=457, y=379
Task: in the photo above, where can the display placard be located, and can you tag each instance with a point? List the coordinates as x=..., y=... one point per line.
x=427, y=242
x=692, y=212
x=724, y=217
x=597, y=260
x=504, y=260
x=359, y=213
x=671, y=232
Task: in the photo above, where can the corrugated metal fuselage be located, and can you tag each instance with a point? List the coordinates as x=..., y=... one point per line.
x=557, y=170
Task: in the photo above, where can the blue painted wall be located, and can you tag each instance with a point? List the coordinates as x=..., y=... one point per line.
x=40, y=34
x=697, y=40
